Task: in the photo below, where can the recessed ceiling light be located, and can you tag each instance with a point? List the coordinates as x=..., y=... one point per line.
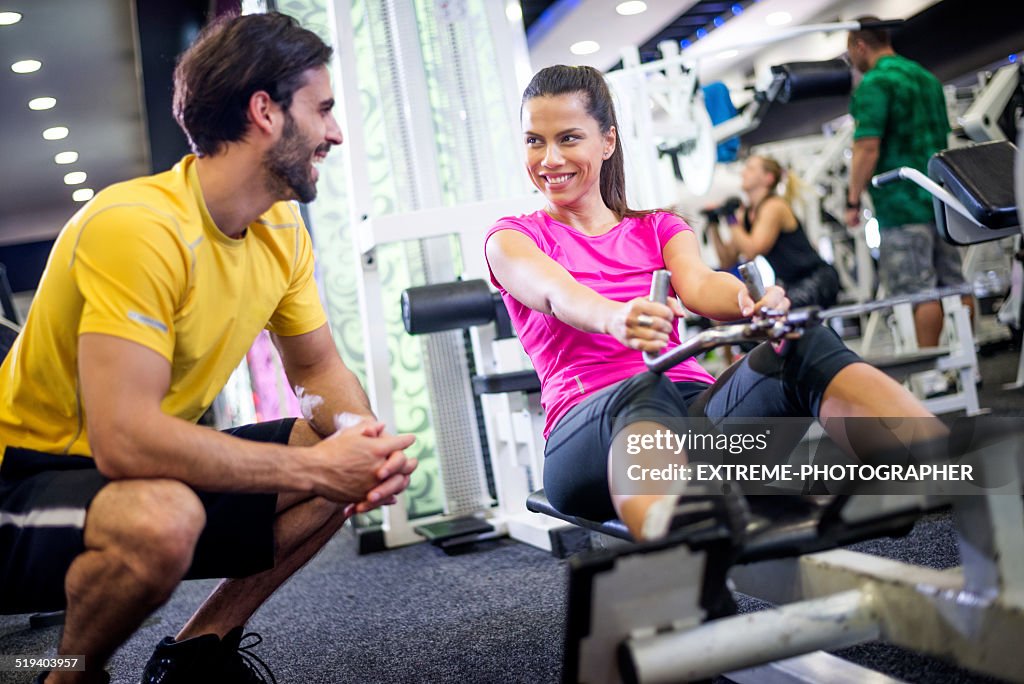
x=727, y=54
x=82, y=194
x=513, y=11
x=631, y=7
x=69, y=157
x=26, y=66
x=8, y=18
x=55, y=133
x=74, y=178
x=584, y=47
x=778, y=18
x=41, y=103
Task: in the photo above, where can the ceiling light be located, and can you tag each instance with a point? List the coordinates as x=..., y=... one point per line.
x=727, y=54
x=778, y=18
x=69, y=157
x=584, y=47
x=55, y=133
x=26, y=66
x=631, y=7
x=82, y=194
x=8, y=18
x=513, y=11
x=74, y=178
x=41, y=103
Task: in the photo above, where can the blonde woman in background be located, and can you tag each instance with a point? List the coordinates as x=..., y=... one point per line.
x=767, y=226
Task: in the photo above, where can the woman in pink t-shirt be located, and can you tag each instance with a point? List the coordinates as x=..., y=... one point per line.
x=575, y=276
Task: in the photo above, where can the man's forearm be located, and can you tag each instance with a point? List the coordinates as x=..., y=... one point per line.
x=154, y=445
x=862, y=166
x=328, y=392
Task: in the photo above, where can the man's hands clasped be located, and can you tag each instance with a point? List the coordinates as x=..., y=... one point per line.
x=363, y=466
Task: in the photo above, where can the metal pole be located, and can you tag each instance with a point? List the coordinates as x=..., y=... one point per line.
x=832, y=622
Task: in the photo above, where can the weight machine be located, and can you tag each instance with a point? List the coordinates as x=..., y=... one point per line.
x=662, y=612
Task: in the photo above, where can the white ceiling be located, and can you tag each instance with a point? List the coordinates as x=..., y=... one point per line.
x=597, y=20
x=88, y=64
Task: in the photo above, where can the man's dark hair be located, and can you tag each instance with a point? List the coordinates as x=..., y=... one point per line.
x=874, y=38
x=233, y=58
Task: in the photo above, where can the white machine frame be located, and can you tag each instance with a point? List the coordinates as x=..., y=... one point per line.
x=432, y=225
x=827, y=600
x=642, y=616
x=981, y=120
x=513, y=420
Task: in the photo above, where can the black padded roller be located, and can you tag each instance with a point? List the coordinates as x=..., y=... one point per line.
x=447, y=306
x=813, y=79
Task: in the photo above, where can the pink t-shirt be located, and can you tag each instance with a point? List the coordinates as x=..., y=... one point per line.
x=573, y=364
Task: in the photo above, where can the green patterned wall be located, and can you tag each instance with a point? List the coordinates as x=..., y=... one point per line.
x=338, y=262
x=475, y=148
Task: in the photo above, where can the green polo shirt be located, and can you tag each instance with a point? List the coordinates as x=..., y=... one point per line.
x=901, y=103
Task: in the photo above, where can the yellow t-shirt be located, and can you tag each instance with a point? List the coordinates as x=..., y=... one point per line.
x=144, y=261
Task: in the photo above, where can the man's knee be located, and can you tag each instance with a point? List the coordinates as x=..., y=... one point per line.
x=152, y=526
x=319, y=511
x=303, y=434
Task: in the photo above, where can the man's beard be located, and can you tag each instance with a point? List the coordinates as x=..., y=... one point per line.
x=288, y=165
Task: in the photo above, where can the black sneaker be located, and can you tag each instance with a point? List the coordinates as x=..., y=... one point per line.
x=196, y=660
x=208, y=659
x=239, y=664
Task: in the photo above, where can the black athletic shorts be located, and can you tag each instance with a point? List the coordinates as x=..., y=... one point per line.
x=762, y=384
x=44, y=500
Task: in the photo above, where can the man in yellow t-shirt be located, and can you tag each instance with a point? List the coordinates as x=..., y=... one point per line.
x=110, y=494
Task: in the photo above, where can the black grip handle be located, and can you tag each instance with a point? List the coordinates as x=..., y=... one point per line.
x=752, y=278
x=659, y=286
x=886, y=177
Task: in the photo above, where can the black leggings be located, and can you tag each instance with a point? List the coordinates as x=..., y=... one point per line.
x=762, y=384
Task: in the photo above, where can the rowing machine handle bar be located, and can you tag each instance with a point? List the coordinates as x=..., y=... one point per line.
x=752, y=278
x=659, y=286
x=659, y=294
x=886, y=177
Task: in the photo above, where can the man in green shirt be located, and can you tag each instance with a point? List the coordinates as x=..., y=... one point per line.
x=899, y=111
